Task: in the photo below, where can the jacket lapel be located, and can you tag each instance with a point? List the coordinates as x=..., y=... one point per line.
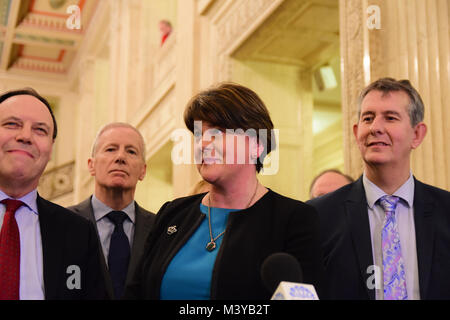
x=423, y=208
x=85, y=210
x=143, y=225
x=52, y=246
x=357, y=215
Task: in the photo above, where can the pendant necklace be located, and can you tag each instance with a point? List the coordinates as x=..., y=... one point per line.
x=212, y=244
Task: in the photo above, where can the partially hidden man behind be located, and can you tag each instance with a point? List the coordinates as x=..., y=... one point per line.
x=387, y=235
x=328, y=181
x=117, y=164
x=46, y=251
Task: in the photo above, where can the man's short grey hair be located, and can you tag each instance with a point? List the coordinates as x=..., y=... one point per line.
x=113, y=125
x=416, y=108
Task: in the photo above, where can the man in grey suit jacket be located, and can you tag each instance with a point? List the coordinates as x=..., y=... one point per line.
x=117, y=164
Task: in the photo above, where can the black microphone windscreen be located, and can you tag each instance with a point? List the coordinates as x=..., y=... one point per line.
x=279, y=267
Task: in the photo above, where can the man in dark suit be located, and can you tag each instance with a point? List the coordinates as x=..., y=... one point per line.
x=117, y=163
x=46, y=251
x=386, y=235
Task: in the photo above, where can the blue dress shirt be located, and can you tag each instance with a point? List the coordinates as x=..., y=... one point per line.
x=106, y=227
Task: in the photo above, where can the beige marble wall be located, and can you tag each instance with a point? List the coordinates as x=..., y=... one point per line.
x=202, y=51
x=286, y=91
x=328, y=149
x=127, y=77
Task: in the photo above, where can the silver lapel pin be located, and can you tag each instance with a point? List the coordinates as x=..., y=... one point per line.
x=171, y=230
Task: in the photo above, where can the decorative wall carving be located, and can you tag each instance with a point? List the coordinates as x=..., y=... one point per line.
x=57, y=181
x=164, y=62
x=293, y=35
x=158, y=123
x=231, y=24
x=237, y=19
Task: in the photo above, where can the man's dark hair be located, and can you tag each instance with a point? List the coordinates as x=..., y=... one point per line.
x=31, y=92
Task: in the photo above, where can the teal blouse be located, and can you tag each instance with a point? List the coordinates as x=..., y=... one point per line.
x=188, y=276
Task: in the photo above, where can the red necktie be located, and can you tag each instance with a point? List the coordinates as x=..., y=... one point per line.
x=10, y=252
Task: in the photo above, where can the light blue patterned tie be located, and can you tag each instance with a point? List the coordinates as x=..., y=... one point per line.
x=393, y=267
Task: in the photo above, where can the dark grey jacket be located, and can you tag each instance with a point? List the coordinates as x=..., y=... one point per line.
x=144, y=223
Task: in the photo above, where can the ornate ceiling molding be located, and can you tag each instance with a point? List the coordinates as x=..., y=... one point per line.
x=36, y=39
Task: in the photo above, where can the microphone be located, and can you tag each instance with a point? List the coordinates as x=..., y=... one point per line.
x=279, y=267
x=282, y=274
